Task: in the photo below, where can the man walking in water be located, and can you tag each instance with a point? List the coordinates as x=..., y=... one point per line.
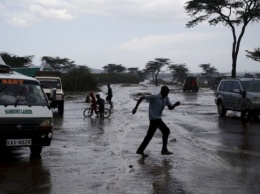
x=156, y=106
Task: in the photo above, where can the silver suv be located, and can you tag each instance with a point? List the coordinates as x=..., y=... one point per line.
x=229, y=91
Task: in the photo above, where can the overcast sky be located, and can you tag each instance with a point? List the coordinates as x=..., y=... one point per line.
x=127, y=32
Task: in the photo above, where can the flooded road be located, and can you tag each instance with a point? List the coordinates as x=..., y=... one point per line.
x=97, y=156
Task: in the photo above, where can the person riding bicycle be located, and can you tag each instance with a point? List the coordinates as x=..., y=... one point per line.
x=93, y=102
x=101, y=104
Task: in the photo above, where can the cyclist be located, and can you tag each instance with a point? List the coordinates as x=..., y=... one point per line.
x=93, y=102
x=101, y=104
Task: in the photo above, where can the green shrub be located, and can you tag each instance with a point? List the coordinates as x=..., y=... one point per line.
x=79, y=80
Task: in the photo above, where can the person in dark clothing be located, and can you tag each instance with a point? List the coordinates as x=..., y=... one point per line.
x=109, y=95
x=244, y=104
x=156, y=106
x=101, y=105
x=194, y=84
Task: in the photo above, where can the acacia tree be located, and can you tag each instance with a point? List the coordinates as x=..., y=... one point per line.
x=150, y=69
x=154, y=67
x=16, y=61
x=208, y=71
x=142, y=74
x=255, y=55
x=230, y=13
x=179, y=71
x=59, y=64
x=133, y=70
x=114, y=68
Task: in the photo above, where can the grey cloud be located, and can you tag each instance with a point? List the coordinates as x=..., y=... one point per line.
x=152, y=10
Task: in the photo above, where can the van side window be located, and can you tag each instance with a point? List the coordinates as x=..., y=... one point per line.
x=228, y=86
x=222, y=86
x=236, y=86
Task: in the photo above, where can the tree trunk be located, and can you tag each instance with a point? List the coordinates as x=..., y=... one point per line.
x=156, y=78
x=234, y=65
x=234, y=55
x=235, y=48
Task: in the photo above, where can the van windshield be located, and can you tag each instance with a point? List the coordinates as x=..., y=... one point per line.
x=251, y=85
x=21, y=93
x=49, y=83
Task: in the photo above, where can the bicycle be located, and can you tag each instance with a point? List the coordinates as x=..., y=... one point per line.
x=88, y=112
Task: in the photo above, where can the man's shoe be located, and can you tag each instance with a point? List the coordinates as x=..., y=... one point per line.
x=141, y=153
x=166, y=153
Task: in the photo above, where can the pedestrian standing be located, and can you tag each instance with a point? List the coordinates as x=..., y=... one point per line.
x=156, y=106
x=244, y=104
x=109, y=95
x=194, y=84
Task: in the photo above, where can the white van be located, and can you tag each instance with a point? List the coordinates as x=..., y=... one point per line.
x=51, y=80
x=26, y=118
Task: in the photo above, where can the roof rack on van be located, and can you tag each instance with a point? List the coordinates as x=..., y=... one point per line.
x=5, y=69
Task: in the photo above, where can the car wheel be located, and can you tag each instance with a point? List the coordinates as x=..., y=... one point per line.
x=221, y=110
x=36, y=152
x=61, y=108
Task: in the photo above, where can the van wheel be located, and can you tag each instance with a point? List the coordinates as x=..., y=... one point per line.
x=221, y=110
x=61, y=108
x=36, y=151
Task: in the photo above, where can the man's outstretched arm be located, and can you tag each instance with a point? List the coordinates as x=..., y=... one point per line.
x=173, y=106
x=137, y=104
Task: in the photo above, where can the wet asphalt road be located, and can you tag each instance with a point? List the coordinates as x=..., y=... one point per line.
x=97, y=156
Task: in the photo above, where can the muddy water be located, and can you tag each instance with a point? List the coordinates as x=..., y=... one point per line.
x=92, y=155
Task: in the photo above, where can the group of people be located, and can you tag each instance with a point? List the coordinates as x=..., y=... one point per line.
x=97, y=100
x=157, y=104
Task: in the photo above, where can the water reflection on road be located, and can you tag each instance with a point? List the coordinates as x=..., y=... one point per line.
x=23, y=176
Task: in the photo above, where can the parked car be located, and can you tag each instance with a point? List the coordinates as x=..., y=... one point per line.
x=190, y=84
x=229, y=91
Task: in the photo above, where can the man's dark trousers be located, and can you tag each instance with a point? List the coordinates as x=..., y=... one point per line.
x=154, y=124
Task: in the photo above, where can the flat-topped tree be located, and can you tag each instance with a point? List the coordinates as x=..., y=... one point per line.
x=230, y=13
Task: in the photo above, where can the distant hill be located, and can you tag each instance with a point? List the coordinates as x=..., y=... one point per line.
x=96, y=71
